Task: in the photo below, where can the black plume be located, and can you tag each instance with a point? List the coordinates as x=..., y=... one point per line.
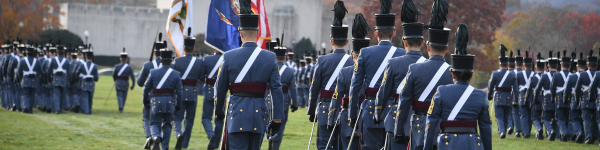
x=278, y=41
x=580, y=55
x=386, y=6
x=339, y=12
x=438, y=14
x=527, y=54
x=462, y=38
x=409, y=12
x=189, y=31
x=518, y=52
x=550, y=54
x=165, y=43
x=573, y=55
x=558, y=55
x=539, y=56
x=511, y=54
x=123, y=49
x=246, y=7
x=565, y=53
x=591, y=52
x=159, y=36
x=503, y=50
x=360, y=28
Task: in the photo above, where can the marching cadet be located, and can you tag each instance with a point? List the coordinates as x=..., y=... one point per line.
x=459, y=112
x=523, y=79
x=575, y=113
x=586, y=103
x=247, y=72
x=46, y=81
x=165, y=85
x=58, y=69
x=534, y=101
x=41, y=90
x=394, y=74
x=73, y=85
x=368, y=72
x=516, y=110
x=3, y=53
x=288, y=87
x=500, y=87
x=594, y=88
x=144, y=73
x=422, y=79
x=28, y=75
x=88, y=75
x=339, y=117
x=211, y=66
x=557, y=91
x=290, y=60
x=301, y=83
x=548, y=104
x=12, y=69
x=121, y=74
x=6, y=81
x=511, y=126
x=191, y=68
x=307, y=77
x=324, y=77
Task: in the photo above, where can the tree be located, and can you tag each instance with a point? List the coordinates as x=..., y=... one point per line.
x=66, y=37
x=302, y=47
x=36, y=15
x=483, y=18
x=200, y=46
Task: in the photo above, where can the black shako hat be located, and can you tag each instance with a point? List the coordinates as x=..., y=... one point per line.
x=360, y=29
x=581, y=62
x=527, y=59
x=290, y=55
x=339, y=31
x=591, y=59
x=89, y=52
x=518, y=57
x=565, y=59
x=280, y=51
x=158, y=44
x=503, y=58
x=190, y=40
x=124, y=54
x=166, y=54
x=461, y=60
x=540, y=63
x=411, y=29
x=552, y=61
x=384, y=20
x=271, y=45
x=248, y=20
x=511, y=59
x=438, y=34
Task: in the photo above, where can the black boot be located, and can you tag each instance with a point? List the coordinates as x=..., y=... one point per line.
x=510, y=130
x=212, y=143
x=502, y=135
x=518, y=134
x=148, y=143
x=580, y=138
x=179, y=141
x=552, y=136
x=156, y=144
x=574, y=137
x=589, y=141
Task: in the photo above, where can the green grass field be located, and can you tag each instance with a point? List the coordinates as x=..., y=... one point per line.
x=109, y=129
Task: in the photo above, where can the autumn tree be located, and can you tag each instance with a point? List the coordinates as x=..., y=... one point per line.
x=302, y=47
x=35, y=15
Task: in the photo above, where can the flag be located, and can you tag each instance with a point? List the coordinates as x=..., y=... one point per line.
x=222, y=26
x=179, y=20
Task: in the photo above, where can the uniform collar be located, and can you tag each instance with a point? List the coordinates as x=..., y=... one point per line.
x=157, y=59
x=437, y=57
x=385, y=43
x=165, y=66
x=339, y=50
x=189, y=55
x=280, y=63
x=462, y=82
x=519, y=69
x=414, y=53
x=592, y=70
x=249, y=44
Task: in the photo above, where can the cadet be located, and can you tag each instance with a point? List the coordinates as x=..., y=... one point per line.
x=548, y=105
x=301, y=83
x=386, y=110
x=324, y=77
x=586, y=103
x=575, y=109
x=534, y=101
x=511, y=126
x=12, y=69
x=3, y=53
x=58, y=69
x=288, y=87
x=421, y=81
x=88, y=75
x=368, y=72
x=144, y=73
x=523, y=79
x=307, y=77
x=459, y=108
x=121, y=74
x=165, y=85
x=211, y=66
x=73, y=85
x=557, y=90
x=501, y=84
x=247, y=72
x=290, y=60
x=27, y=75
x=338, y=118
x=191, y=68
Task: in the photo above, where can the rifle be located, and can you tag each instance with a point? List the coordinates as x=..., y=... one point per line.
x=153, y=45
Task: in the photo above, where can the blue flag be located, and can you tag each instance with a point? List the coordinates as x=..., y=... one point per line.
x=222, y=26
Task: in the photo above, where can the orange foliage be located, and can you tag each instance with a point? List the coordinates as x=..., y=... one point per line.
x=36, y=16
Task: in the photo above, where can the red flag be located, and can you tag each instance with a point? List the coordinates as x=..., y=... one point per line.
x=264, y=33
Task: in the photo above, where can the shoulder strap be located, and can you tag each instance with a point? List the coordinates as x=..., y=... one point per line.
x=29, y=66
x=156, y=66
x=433, y=82
x=422, y=59
x=503, y=78
x=164, y=78
x=282, y=69
x=189, y=67
x=248, y=64
x=335, y=74
x=216, y=67
x=589, y=75
x=460, y=103
x=123, y=69
x=382, y=66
